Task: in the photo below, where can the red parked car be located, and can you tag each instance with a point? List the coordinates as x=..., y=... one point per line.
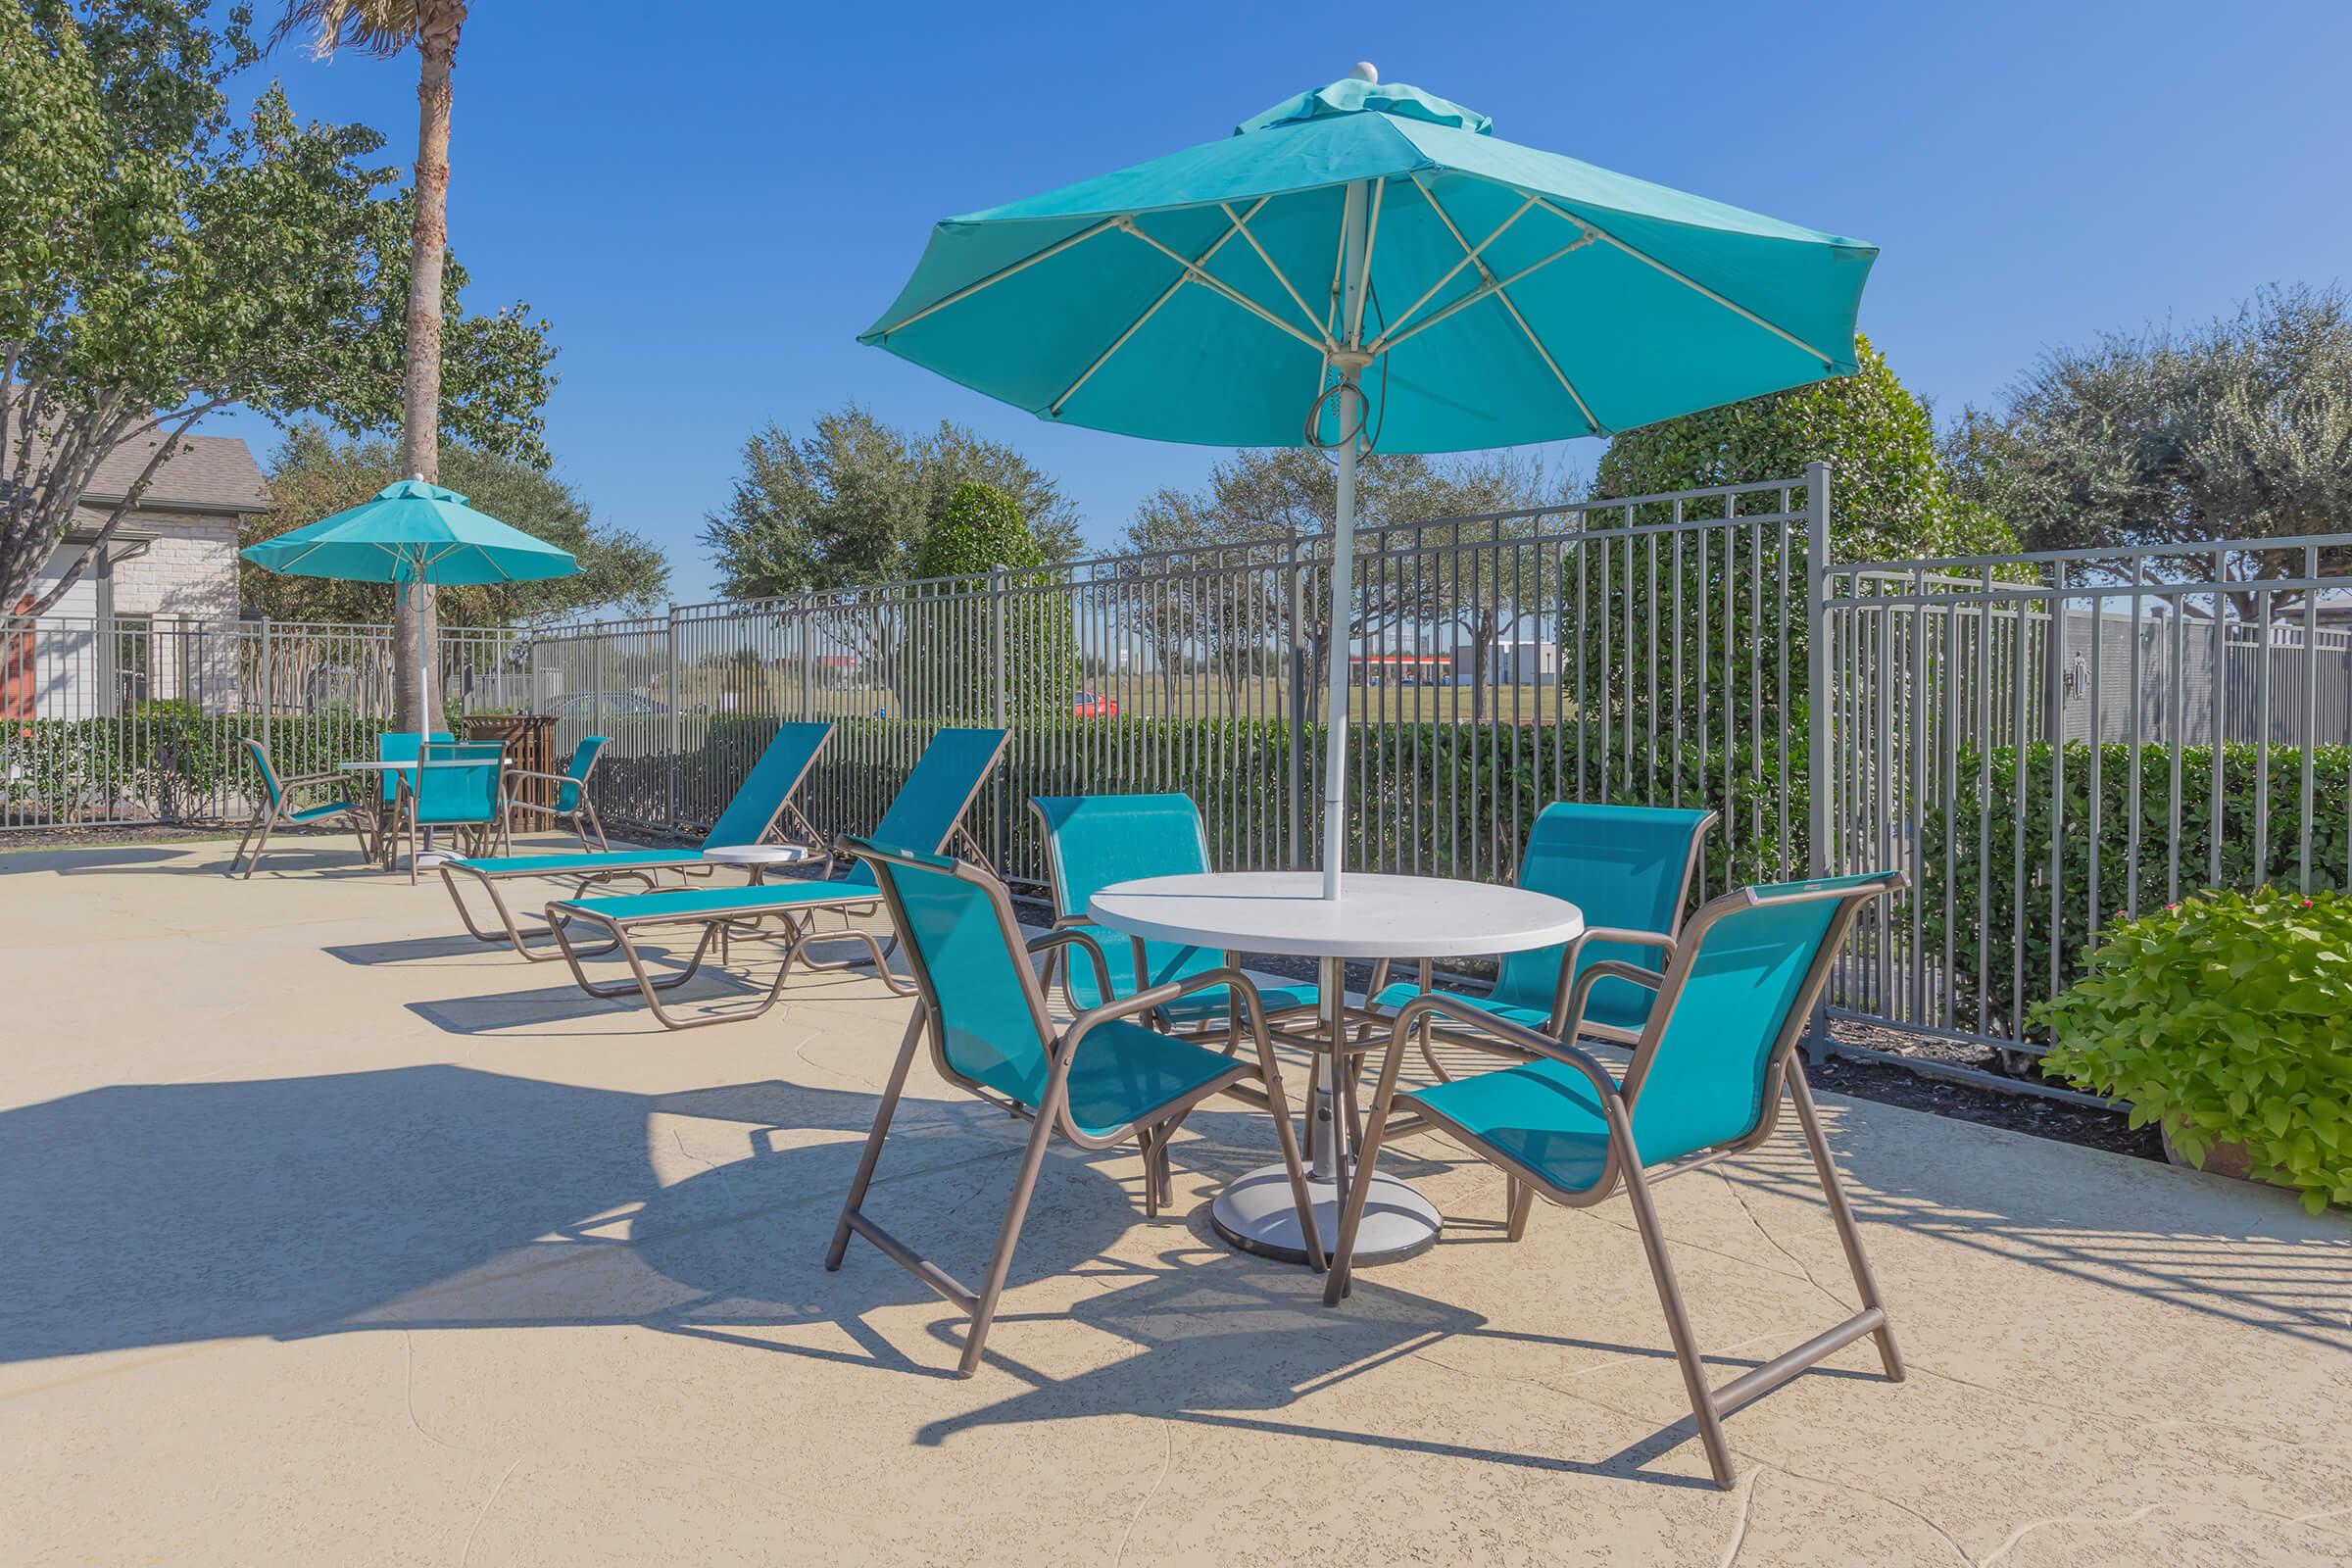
x=1090, y=705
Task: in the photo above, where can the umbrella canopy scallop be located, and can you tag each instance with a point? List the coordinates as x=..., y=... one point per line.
x=1508, y=295
x=412, y=531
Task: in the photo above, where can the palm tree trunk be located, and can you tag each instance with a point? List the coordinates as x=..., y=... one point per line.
x=437, y=29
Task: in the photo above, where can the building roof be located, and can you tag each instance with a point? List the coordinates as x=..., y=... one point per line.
x=203, y=473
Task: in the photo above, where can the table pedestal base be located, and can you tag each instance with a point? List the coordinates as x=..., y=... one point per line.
x=1255, y=1214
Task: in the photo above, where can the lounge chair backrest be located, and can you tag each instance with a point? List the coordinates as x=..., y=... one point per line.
x=1707, y=1069
x=1626, y=868
x=261, y=760
x=401, y=746
x=466, y=793
x=965, y=951
x=760, y=800
x=576, y=771
x=1095, y=840
x=936, y=795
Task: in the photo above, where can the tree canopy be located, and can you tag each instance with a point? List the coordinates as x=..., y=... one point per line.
x=160, y=259
x=2240, y=427
x=852, y=500
x=1890, y=495
x=313, y=475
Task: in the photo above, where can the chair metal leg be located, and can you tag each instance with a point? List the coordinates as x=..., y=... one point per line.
x=263, y=843
x=1866, y=1285
x=1522, y=1200
x=1359, y=1187
x=873, y=1140
x=238, y=858
x=1670, y=1297
x=999, y=1263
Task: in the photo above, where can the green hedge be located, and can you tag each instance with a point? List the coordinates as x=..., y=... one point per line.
x=1454, y=799
x=1986, y=863
x=167, y=760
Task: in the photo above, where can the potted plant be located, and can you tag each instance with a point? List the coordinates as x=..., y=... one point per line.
x=2225, y=1019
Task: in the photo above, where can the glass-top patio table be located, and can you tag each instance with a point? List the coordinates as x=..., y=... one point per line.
x=1374, y=917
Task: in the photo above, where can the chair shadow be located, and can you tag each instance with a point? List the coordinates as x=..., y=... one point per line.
x=83, y=861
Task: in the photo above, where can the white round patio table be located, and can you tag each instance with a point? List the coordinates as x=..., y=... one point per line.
x=756, y=858
x=1374, y=917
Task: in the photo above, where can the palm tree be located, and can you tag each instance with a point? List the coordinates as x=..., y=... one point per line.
x=385, y=29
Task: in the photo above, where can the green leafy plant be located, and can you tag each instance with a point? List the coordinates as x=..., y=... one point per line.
x=2222, y=1018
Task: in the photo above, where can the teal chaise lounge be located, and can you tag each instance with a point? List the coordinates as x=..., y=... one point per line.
x=927, y=815
x=763, y=799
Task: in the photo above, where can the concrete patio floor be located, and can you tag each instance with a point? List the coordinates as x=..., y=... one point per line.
x=334, y=1239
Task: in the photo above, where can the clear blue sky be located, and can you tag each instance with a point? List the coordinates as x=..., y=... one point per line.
x=709, y=201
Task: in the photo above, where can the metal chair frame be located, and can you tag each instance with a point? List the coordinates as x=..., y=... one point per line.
x=277, y=807
x=1784, y=1073
x=1152, y=1131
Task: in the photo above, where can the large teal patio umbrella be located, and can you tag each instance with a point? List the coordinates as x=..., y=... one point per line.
x=1368, y=266
x=413, y=533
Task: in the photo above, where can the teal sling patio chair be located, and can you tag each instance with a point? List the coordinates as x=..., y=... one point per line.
x=401, y=745
x=1706, y=1083
x=1091, y=841
x=927, y=815
x=460, y=790
x=1101, y=1081
x=1629, y=868
x=277, y=807
x=766, y=798
x=568, y=801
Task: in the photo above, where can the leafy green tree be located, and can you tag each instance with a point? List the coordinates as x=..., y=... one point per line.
x=1203, y=592
x=851, y=502
x=1890, y=495
x=313, y=475
x=949, y=654
x=2242, y=427
x=159, y=262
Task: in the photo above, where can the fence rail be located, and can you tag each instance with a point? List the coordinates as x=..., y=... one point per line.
x=2046, y=743
x=2040, y=741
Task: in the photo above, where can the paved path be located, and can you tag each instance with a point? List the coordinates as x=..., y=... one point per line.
x=330, y=1239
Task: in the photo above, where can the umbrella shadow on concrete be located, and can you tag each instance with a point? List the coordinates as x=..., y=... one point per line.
x=442, y=1196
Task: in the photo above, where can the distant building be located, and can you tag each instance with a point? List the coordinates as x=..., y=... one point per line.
x=173, y=561
x=1400, y=670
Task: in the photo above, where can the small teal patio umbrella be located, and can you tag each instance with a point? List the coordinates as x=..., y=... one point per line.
x=413, y=533
x=1368, y=266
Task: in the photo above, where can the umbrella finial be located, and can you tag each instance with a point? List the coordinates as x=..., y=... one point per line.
x=1365, y=70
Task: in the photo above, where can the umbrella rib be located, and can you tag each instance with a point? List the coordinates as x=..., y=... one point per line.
x=1240, y=222
x=1003, y=272
x=1502, y=297
x=1220, y=286
x=1693, y=284
x=1100, y=359
x=1470, y=253
x=1492, y=286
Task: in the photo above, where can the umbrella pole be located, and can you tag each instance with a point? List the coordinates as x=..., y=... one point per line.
x=1355, y=262
x=1335, y=706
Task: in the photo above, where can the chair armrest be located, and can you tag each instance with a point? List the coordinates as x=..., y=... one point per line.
x=526, y=773
x=1160, y=996
x=1071, y=938
x=1529, y=1040
x=1631, y=939
x=337, y=777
